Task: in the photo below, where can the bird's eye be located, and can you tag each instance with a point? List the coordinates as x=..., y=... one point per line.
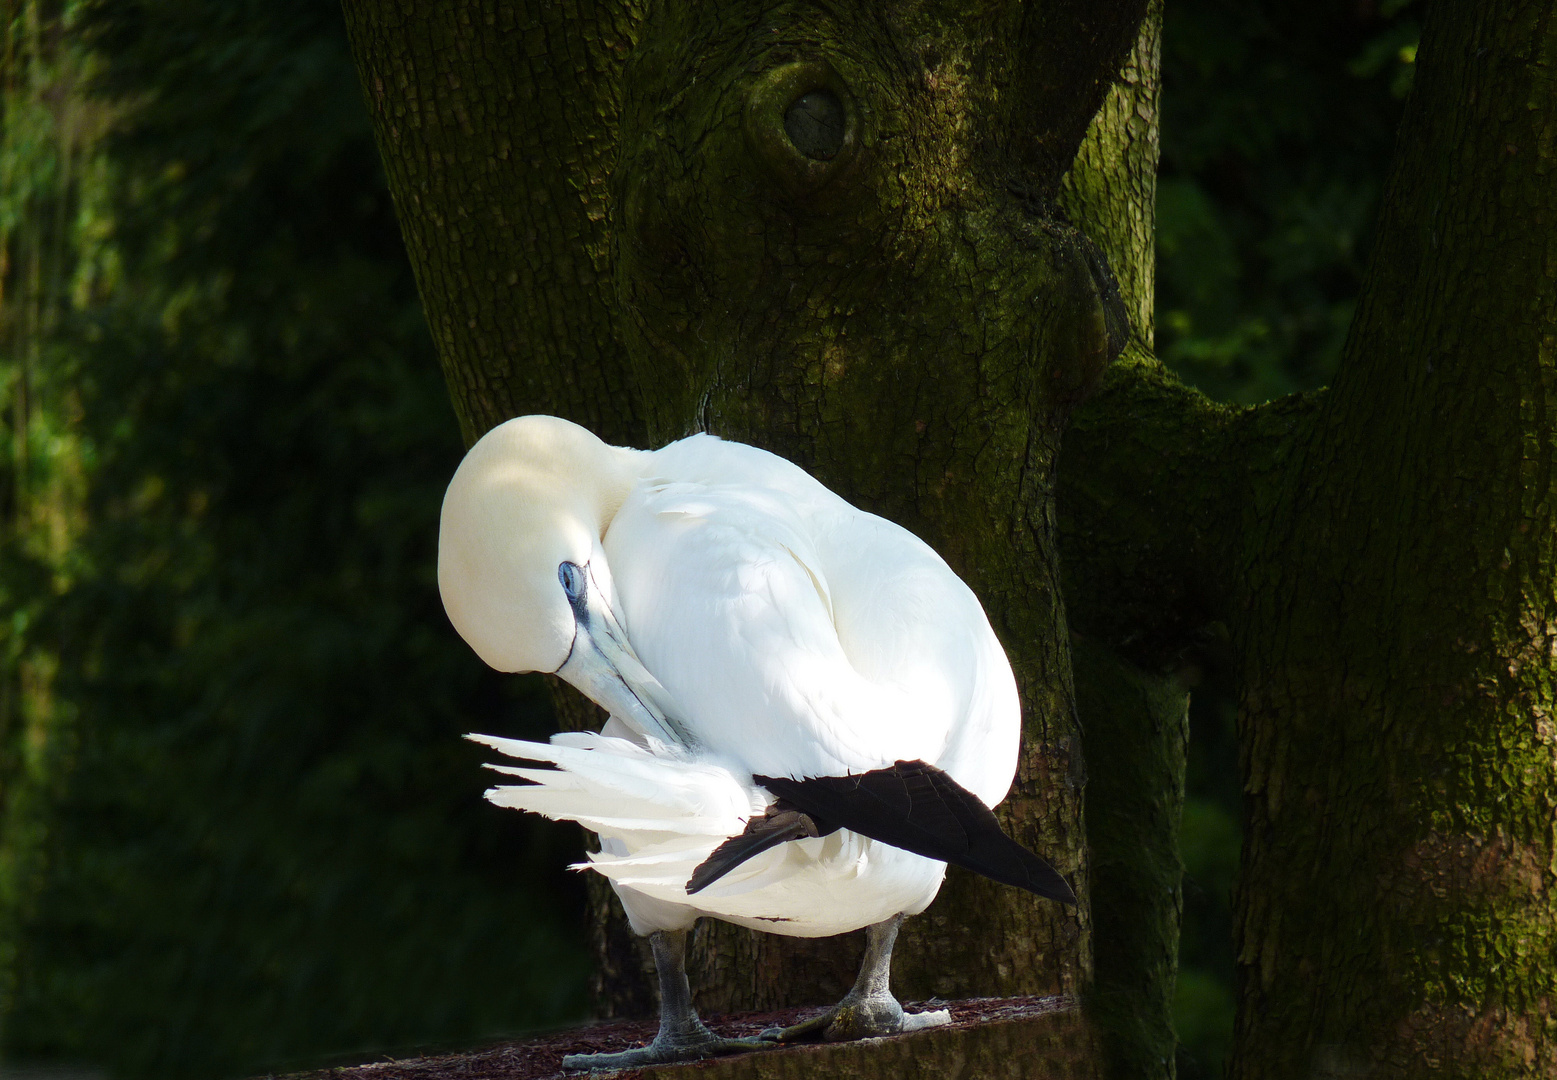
x=804, y=125
x=574, y=579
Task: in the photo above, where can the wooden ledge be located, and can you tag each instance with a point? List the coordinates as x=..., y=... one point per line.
x=988, y=1039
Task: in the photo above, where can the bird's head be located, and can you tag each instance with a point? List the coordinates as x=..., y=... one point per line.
x=522, y=568
x=532, y=498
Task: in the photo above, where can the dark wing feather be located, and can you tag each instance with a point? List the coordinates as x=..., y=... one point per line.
x=917, y=807
x=781, y=823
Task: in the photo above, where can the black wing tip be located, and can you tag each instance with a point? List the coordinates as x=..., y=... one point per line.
x=1060, y=892
x=1041, y=878
x=1014, y=865
x=918, y=807
x=720, y=862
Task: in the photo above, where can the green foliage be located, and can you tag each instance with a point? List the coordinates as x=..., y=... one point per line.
x=1278, y=123
x=262, y=838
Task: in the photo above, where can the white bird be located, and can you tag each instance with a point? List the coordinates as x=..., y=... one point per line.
x=809, y=712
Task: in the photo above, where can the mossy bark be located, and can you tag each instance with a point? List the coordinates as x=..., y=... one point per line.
x=498, y=125
x=611, y=220
x=1132, y=703
x=1381, y=556
x=1399, y=746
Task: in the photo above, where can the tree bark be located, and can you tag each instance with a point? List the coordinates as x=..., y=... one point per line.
x=617, y=226
x=610, y=219
x=1381, y=555
x=1398, y=733
x=1132, y=704
x=498, y=127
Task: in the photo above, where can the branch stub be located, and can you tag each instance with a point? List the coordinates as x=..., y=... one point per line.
x=802, y=122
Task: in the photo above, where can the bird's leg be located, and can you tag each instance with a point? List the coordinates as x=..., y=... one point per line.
x=869, y=1009
x=682, y=1036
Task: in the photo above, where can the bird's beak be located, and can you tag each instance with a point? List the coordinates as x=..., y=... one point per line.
x=604, y=667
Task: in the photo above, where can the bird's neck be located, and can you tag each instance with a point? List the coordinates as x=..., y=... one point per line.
x=614, y=475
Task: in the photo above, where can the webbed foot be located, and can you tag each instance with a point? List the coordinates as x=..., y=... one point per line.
x=688, y=1044
x=859, y=1018
x=682, y=1036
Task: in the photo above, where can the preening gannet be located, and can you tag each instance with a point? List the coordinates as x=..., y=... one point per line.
x=809, y=713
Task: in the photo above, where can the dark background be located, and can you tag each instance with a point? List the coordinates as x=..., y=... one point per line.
x=238, y=828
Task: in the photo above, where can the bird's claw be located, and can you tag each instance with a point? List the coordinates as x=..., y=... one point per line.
x=860, y=1018
x=665, y=1050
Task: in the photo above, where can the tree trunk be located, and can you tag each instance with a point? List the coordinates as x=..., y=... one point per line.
x=1381, y=554
x=1398, y=732
x=614, y=216
x=1131, y=701
x=498, y=127
x=611, y=220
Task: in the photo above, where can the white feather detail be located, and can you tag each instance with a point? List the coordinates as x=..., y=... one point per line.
x=609, y=784
x=659, y=817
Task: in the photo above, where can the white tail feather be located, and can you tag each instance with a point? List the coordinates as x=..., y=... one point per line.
x=652, y=802
x=659, y=813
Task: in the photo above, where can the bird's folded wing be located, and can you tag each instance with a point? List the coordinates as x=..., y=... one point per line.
x=919, y=808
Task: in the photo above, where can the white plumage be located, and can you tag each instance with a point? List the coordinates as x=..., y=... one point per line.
x=794, y=635
x=737, y=619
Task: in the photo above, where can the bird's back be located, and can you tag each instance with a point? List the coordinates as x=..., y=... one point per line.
x=800, y=636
